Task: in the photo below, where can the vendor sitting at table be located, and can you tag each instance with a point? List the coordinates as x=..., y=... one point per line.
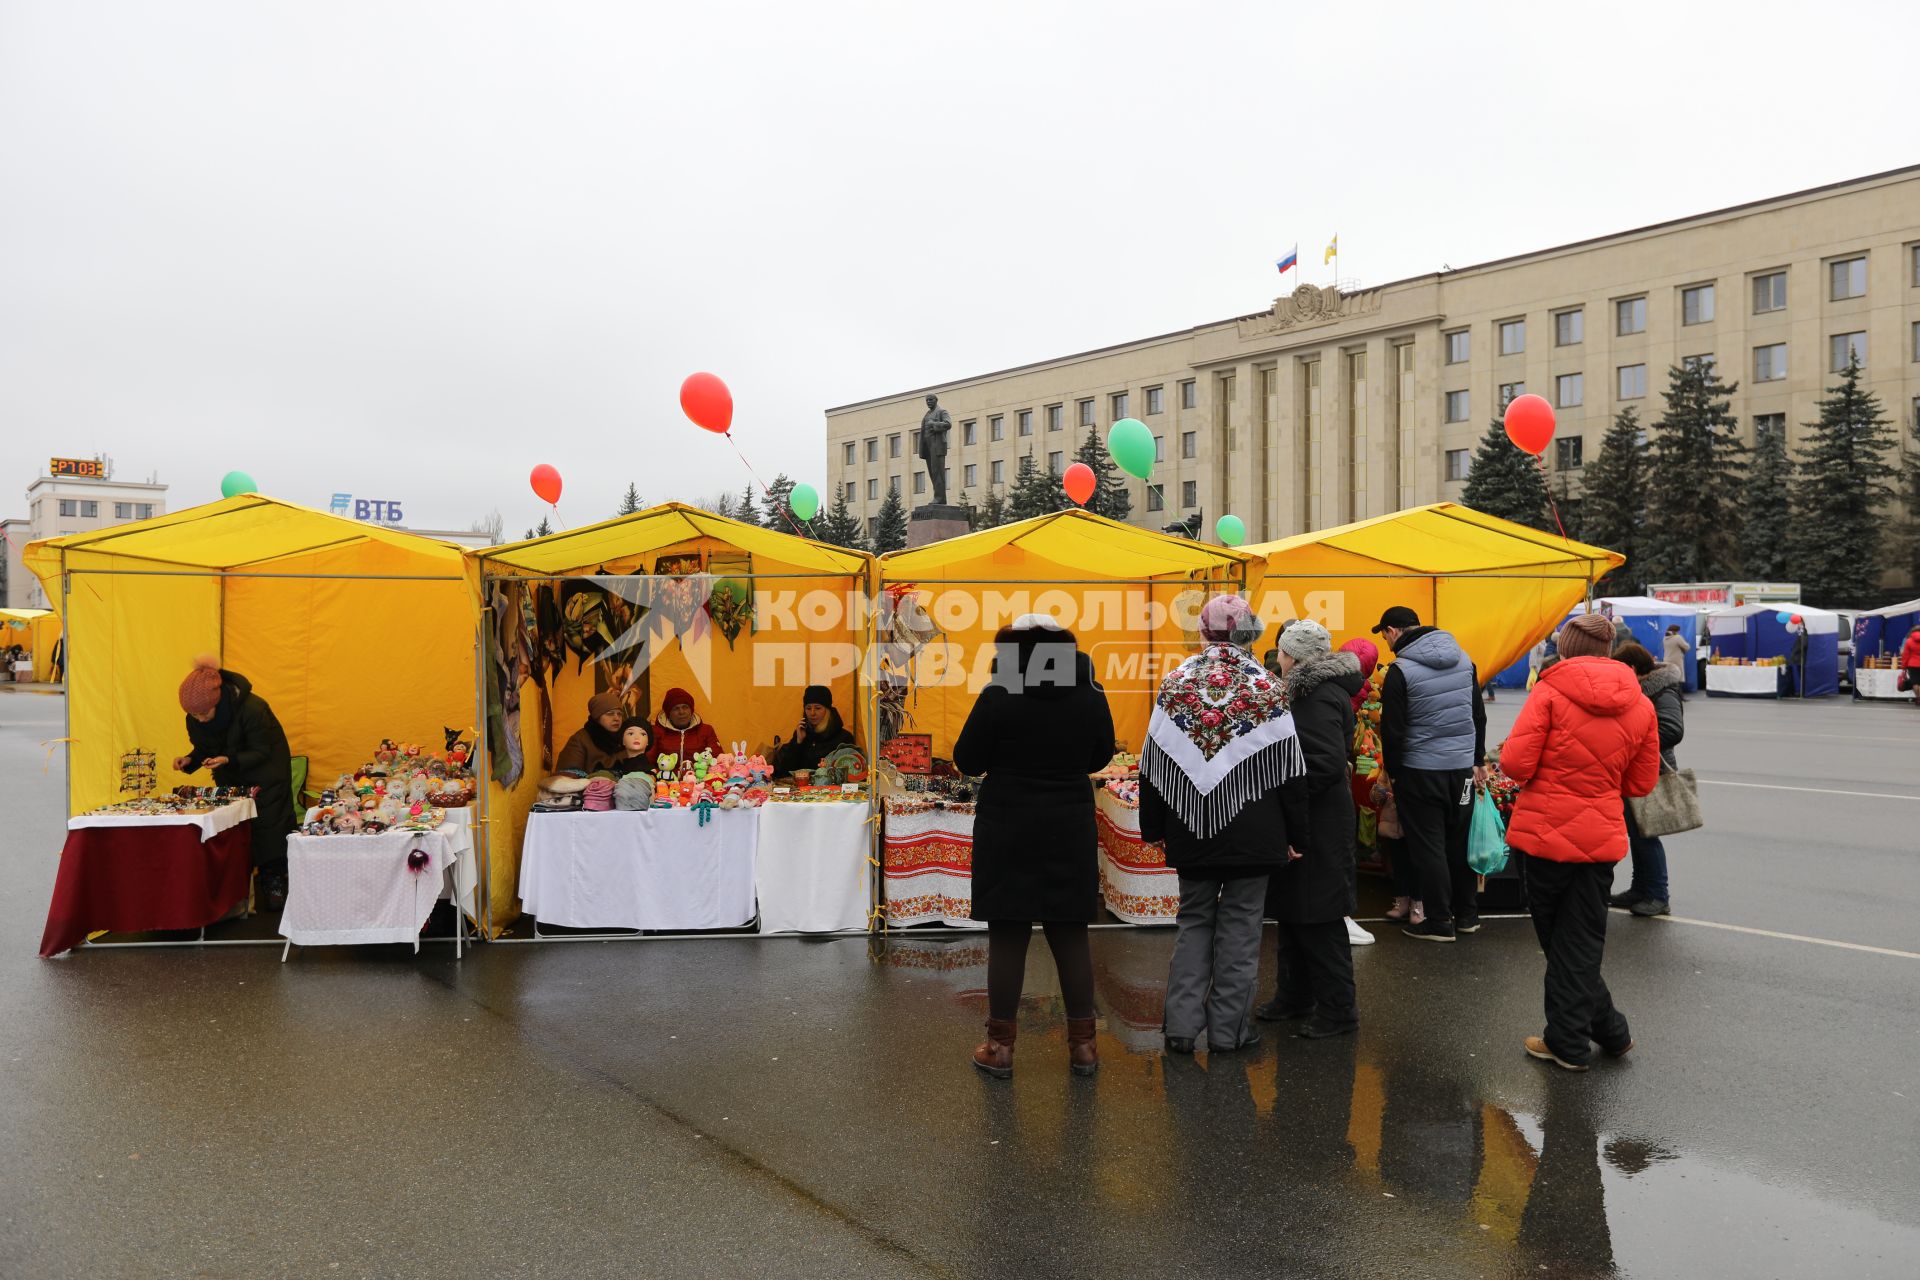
x=594, y=745
x=680, y=732
x=235, y=733
x=636, y=749
x=818, y=736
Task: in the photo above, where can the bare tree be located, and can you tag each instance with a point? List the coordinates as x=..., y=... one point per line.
x=490, y=524
x=721, y=504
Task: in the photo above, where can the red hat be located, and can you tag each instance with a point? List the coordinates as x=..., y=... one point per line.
x=200, y=691
x=676, y=698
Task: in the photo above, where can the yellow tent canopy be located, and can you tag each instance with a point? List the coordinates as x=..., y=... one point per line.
x=1499, y=587
x=36, y=631
x=808, y=627
x=351, y=632
x=1116, y=586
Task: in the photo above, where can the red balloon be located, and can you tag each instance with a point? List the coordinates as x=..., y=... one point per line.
x=1529, y=423
x=708, y=402
x=1796, y=620
x=1079, y=482
x=546, y=484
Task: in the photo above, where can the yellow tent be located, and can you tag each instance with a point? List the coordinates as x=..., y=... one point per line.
x=1118, y=587
x=36, y=631
x=660, y=566
x=1499, y=587
x=351, y=632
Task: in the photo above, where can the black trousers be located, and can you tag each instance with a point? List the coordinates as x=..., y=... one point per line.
x=1316, y=971
x=1568, y=901
x=1434, y=826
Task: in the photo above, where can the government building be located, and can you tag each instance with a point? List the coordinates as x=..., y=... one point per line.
x=1337, y=404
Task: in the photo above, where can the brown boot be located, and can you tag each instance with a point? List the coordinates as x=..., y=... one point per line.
x=1082, y=1056
x=995, y=1056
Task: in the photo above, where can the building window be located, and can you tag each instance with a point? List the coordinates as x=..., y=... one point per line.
x=1568, y=453
x=1056, y=462
x=919, y=482
x=851, y=489
x=969, y=432
x=1086, y=413
x=1915, y=252
x=1845, y=346
x=1026, y=422
x=1767, y=426
x=873, y=489
x=893, y=445
x=1849, y=277
x=1159, y=448
x=1055, y=417
x=996, y=427
x=1511, y=390
x=123, y=511
x=1119, y=405
x=893, y=484
x=1513, y=337
x=1189, y=494
x=1155, y=500
x=1633, y=381
x=68, y=507
x=998, y=471
x=1569, y=327
x=1457, y=407
x=1570, y=389
x=1705, y=361
x=1459, y=463
x=873, y=449
x=1770, y=362
x=850, y=456
x=1190, y=440
x=1190, y=390
x=971, y=472
x=1630, y=316
x=1770, y=292
x=1458, y=346
x=89, y=509
x=913, y=442
x=1156, y=400
x=144, y=510
x=1696, y=305
x=1916, y=340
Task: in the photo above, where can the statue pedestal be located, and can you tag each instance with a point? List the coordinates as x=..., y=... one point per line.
x=933, y=523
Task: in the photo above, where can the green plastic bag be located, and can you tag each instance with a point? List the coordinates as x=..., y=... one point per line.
x=1487, y=837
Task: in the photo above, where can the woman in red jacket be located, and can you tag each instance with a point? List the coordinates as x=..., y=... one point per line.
x=1586, y=737
x=1910, y=659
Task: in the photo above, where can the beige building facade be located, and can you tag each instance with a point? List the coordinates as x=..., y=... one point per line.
x=59, y=505
x=1338, y=404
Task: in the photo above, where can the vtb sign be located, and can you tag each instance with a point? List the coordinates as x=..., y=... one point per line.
x=371, y=510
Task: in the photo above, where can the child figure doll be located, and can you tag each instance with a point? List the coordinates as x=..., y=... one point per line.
x=636, y=748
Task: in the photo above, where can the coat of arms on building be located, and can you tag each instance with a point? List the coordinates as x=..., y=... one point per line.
x=1310, y=305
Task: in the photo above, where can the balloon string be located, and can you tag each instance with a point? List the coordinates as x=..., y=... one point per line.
x=1547, y=484
x=555, y=508
x=783, y=507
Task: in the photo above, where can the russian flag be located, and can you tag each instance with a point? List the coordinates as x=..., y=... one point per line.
x=1287, y=263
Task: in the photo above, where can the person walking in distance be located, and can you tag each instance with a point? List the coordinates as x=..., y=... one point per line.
x=1586, y=739
x=1433, y=734
x=1647, y=894
x=1676, y=649
x=1910, y=663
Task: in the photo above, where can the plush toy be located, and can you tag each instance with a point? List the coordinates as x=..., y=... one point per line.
x=387, y=751
x=757, y=766
x=723, y=763
x=687, y=791
x=731, y=800
x=418, y=788
x=702, y=764
x=665, y=762
x=663, y=789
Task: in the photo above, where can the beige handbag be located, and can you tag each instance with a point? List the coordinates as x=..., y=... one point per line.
x=1671, y=807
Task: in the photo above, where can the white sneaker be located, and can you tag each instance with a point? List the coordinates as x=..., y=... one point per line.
x=1356, y=936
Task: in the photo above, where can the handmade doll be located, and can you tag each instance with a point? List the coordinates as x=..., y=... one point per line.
x=636, y=749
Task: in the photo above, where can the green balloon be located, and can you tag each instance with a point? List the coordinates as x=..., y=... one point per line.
x=1131, y=445
x=235, y=483
x=1232, y=530
x=804, y=499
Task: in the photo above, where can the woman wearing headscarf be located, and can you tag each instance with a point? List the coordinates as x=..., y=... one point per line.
x=595, y=744
x=1036, y=731
x=1223, y=785
x=1313, y=894
x=235, y=733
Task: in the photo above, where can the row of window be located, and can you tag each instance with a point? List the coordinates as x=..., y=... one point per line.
x=1118, y=403
x=1569, y=452
x=89, y=509
x=1846, y=279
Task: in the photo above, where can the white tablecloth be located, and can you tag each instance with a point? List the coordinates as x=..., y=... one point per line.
x=1878, y=682
x=812, y=872
x=640, y=869
x=344, y=890
x=1752, y=682
x=211, y=824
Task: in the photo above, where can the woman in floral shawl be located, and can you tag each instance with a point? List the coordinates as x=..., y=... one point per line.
x=1223, y=783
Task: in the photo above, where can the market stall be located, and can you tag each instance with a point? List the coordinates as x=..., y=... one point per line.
x=1647, y=620
x=741, y=618
x=36, y=631
x=1752, y=648
x=351, y=632
x=1878, y=636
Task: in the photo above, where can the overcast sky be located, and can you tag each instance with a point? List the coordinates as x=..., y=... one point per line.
x=407, y=250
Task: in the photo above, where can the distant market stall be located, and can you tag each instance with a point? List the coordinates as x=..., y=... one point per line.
x=1753, y=648
x=36, y=631
x=1878, y=636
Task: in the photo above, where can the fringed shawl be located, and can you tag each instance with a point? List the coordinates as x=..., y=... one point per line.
x=1220, y=737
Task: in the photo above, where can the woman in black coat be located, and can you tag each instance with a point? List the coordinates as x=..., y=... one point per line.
x=1647, y=894
x=818, y=736
x=1313, y=895
x=235, y=733
x=1036, y=732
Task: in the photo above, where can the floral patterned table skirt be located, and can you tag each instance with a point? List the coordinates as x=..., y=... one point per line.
x=1135, y=880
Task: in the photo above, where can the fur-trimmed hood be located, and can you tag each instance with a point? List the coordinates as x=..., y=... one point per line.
x=1341, y=667
x=1660, y=679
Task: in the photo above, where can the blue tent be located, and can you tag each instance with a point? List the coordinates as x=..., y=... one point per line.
x=1882, y=631
x=1647, y=620
x=1514, y=677
x=1756, y=631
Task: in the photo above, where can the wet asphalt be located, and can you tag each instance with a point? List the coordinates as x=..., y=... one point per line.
x=797, y=1108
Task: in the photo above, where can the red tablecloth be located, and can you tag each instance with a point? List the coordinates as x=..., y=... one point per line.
x=135, y=879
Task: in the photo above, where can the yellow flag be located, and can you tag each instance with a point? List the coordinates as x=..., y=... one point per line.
x=1333, y=250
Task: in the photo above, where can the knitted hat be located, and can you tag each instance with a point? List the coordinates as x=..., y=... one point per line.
x=601, y=703
x=817, y=695
x=200, y=691
x=1229, y=618
x=676, y=698
x=1586, y=635
x=1366, y=651
x=1306, y=640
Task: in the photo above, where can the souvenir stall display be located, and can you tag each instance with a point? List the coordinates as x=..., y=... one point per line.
x=1879, y=636
x=176, y=860
x=1752, y=652
x=1135, y=881
x=927, y=851
x=1370, y=797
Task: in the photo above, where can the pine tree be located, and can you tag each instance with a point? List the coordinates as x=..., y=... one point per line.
x=630, y=501
x=840, y=526
x=776, y=513
x=890, y=525
x=1110, y=496
x=1845, y=484
x=541, y=532
x=1693, y=491
x=1507, y=483
x=1035, y=492
x=1766, y=511
x=1613, y=505
x=993, y=510
x=747, y=511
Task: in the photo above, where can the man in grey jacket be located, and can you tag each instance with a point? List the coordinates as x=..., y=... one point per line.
x=1433, y=735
